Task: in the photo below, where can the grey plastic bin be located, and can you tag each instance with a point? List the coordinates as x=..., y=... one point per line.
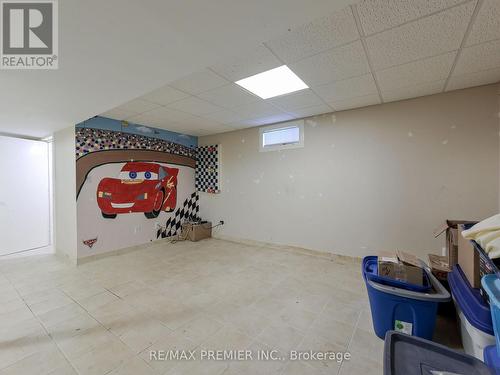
x=410, y=355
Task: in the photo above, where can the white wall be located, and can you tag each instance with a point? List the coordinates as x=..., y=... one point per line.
x=381, y=177
x=65, y=224
x=24, y=195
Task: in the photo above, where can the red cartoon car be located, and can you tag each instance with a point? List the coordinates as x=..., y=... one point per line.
x=140, y=187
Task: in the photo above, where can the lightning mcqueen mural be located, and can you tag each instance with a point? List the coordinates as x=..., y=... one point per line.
x=141, y=187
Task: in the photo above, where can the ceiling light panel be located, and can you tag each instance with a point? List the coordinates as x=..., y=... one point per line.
x=274, y=82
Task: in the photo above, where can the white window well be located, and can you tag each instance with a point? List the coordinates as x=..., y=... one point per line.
x=282, y=136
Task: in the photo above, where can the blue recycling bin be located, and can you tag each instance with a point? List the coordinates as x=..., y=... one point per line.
x=403, y=310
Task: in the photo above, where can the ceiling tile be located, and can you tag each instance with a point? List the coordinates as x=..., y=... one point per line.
x=164, y=95
x=161, y=124
x=486, y=27
x=214, y=130
x=248, y=64
x=256, y=109
x=317, y=36
x=360, y=101
x=117, y=114
x=199, y=82
x=224, y=117
x=296, y=100
x=196, y=122
x=333, y=65
x=137, y=106
x=194, y=106
x=311, y=111
x=479, y=57
x=348, y=88
x=229, y=96
x=473, y=79
x=433, y=35
x=378, y=15
x=417, y=72
x=271, y=119
x=413, y=91
x=162, y=114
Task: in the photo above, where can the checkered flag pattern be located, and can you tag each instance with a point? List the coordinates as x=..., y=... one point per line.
x=189, y=211
x=207, y=169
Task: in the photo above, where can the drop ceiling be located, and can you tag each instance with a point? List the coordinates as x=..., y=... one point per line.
x=115, y=50
x=367, y=53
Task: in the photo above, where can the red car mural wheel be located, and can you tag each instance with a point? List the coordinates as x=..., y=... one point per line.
x=108, y=216
x=157, y=205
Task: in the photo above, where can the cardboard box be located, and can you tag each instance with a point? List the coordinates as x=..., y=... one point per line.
x=439, y=266
x=196, y=231
x=450, y=227
x=400, y=266
x=468, y=259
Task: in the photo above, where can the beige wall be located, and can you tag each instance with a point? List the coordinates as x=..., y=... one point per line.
x=381, y=177
x=65, y=194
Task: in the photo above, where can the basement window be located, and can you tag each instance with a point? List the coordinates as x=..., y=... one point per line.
x=282, y=136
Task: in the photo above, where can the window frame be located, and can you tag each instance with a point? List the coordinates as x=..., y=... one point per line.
x=284, y=125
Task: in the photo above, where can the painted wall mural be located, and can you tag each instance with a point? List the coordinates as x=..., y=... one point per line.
x=134, y=184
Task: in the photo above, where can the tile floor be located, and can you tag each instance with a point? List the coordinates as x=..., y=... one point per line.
x=106, y=316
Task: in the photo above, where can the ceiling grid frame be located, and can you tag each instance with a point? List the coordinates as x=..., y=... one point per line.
x=365, y=48
x=479, y=3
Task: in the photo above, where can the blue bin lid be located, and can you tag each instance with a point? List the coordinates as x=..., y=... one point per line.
x=410, y=355
x=472, y=304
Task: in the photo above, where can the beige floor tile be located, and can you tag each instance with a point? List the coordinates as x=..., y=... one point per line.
x=102, y=359
x=367, y=345
x=227, y=339
x=134, y=366
x=359, y=365
x=40, y=363
x=200, y=329
x=210, y=294
x=175, y=341
x=316, y=343
x=332, y=330
x=86, y=341
x=97, y=301
x=281, y=337
x=143, y=333
x=303, y=368
x=264, y=360
x=297, y=318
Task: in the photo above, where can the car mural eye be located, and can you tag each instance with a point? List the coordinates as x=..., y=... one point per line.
x=147, y=175
x=132, y=175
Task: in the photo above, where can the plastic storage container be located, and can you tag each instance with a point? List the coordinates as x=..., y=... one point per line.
x=491, y=359
x=491, y=284
x=404, y=310
x=406, y=355
x=473, y=313
x=370, y=265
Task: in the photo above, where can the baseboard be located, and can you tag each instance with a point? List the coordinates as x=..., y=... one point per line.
x=291, y=248
x=121, y=251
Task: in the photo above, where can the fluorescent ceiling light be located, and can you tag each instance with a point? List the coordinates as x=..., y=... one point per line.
x=274, y=82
